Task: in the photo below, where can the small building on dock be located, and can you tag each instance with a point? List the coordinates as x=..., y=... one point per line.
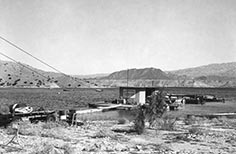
x=136, y=95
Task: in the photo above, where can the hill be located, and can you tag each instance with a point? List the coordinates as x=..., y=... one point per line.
x=221, y=71
x=145, y=73
x=16, y=75
x=213, y=75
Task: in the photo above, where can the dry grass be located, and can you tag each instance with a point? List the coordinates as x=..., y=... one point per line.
x=103, y=134
x=26, y=128
x=107, y=133
x=50, y=125
x=98, y=116
x=49, y=130
x=53, y=138
x=107, y=116
x=166, y=122
x=68, y=149
x=57, y=133
x=195, y=131
x=227, y=122
x=49, y=148
x=220, y=121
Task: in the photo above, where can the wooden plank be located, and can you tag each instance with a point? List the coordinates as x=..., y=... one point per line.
x=111, y=107
x=102, y=109
x=88, y=111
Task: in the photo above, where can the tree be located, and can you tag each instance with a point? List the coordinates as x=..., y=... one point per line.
x=154, y=108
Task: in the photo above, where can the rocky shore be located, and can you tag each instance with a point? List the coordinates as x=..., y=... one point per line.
x=186, y=136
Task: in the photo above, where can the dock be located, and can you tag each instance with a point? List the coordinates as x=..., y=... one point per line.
x=214, y=115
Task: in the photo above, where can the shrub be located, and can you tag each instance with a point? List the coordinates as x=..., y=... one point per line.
x=227, y=122
x=168, y=122
x=139, y=123
x=57, y=133
x=156, y=107
x=191, y=120
x=101, y=134
x=50, y=125
x=223, y=119
x=104, y=134
x=195, y=131
x=153, y=110
x=215, y=121
x=46, y=148
x=122, y=121
x=4, y=109
x=68, y=149
x=26, y=128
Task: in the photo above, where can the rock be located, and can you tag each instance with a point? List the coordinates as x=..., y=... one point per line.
x=120, y=147
x=91, y=148
x=122, y=121
x=140, y=141
x=138, y=147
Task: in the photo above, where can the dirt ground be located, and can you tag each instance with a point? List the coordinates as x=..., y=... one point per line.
x=184, y=136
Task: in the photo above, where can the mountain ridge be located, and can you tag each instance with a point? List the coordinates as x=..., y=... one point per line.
x=143, y=73
x=227, y=70
x=212, y=75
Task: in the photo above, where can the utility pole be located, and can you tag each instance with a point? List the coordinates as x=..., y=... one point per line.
x=127, y=77
x=127, y=85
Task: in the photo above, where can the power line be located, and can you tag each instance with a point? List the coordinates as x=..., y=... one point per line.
x=24, y=66
x=22, y=50
x=9, y=42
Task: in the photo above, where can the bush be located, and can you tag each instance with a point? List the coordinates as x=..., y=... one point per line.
x=168, y=122
x=104, y=134
x=227, y=122
x=4, y=109
x=151, y=111
x=195, y=120
x=50, y=125
x=26, y=128
x=101, y=134
x=57, y=133
x=195, y=131
x=215, y=121
x=68, y=149
x=122, y=121
x=139, y=123
x=46, y=148
x=156, y=107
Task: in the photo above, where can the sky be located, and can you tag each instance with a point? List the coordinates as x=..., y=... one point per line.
x=104, y=36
